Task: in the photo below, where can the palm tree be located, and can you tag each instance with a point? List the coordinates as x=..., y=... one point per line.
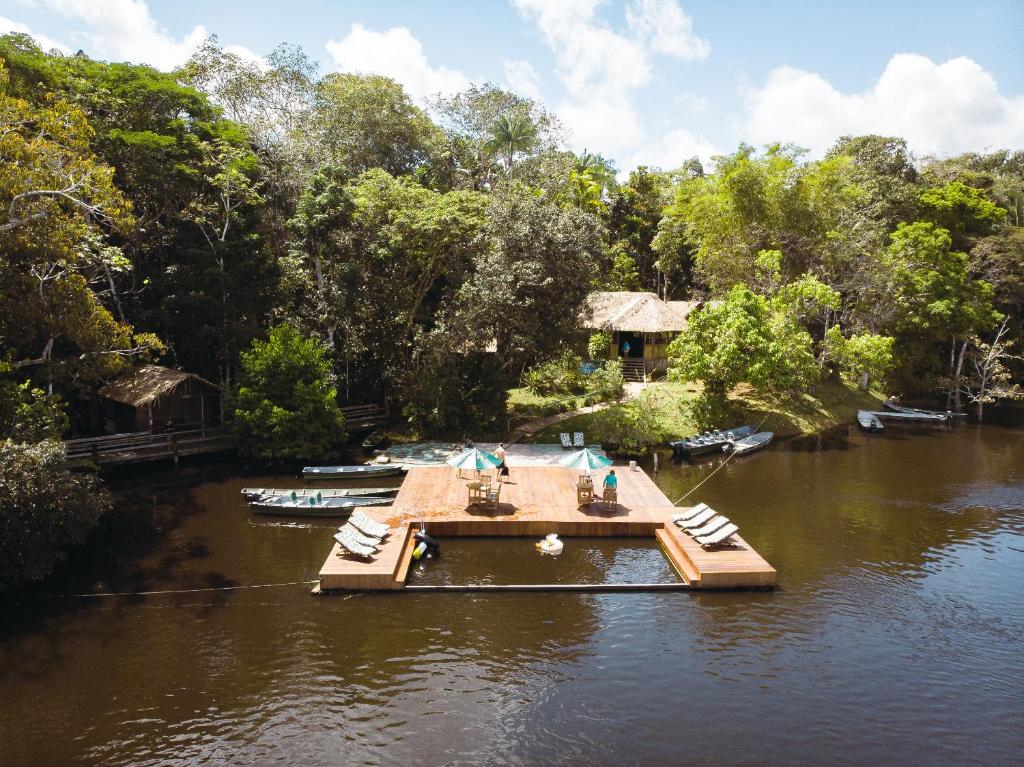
x=511, y=134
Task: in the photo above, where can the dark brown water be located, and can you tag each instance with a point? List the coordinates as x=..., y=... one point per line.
x=896, y=636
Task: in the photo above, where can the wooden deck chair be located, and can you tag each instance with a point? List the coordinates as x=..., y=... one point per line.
x=691, y=513
x=493, y=496
x=577, y=439
x=368, y=525
x=566, y=441
x=357, y=535
x=719, y=538
x=350, y=546
x=712, y=525
x=696, y=521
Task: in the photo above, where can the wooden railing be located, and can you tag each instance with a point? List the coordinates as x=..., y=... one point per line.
x=363, y=417
x=143, y=446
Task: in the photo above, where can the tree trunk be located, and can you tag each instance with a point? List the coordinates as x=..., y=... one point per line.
x=959, y=370
x=862, y=384
x=981, y=409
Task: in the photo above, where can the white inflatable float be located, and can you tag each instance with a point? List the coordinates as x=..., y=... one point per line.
x=551, y=545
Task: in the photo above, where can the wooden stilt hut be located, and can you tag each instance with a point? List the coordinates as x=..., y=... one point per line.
x=156, y=398
x=641, y=326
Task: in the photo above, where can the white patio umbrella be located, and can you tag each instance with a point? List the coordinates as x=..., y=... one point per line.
x=585, y=460
x=474, y=460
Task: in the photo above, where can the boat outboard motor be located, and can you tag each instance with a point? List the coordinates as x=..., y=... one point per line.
x=427, y=546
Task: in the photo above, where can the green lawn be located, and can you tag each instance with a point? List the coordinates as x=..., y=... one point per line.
x=524, y=405
x=830, y=404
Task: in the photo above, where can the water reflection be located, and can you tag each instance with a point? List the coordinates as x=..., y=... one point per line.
x=900, y=564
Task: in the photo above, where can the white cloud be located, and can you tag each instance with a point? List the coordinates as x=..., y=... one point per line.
x=46, y=43
x=667, y=28
x=942, y=108
x=125, y=30
x=601, y=68
x=673, y=149
x=522, y=78
x=397, y=54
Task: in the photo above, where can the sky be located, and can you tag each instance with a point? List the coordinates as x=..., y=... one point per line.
x=642, y=82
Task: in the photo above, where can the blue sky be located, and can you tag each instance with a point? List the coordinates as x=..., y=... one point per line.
x=642, y=81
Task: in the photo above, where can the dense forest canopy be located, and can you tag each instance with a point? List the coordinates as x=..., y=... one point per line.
x=435, y=253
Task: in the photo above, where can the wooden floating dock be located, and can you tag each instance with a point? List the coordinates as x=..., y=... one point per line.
x=539, y=500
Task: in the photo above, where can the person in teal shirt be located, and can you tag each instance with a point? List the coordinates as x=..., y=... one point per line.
x=611, y=482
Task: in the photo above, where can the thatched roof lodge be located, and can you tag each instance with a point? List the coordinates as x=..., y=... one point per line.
x=641, y=326
x=156, y=398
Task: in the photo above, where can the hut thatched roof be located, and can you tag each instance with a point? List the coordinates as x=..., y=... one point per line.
x=148, y=384
x=635, y=312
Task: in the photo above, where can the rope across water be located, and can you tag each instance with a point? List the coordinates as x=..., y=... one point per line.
x=717, y=469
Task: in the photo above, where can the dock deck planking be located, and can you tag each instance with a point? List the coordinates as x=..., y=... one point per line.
x=536, y=501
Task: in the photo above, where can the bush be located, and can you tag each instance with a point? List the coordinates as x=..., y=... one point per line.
x=599, y=345
x=607, y=382
x=633, y=430
x=286, y=408
x=45, y=509
x=561, y=375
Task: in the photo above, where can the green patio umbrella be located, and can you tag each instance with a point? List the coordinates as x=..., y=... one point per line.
x=474, y=460
x=585, y=460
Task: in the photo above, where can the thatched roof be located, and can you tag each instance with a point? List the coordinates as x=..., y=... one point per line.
x=148, y=384
x=635, y=312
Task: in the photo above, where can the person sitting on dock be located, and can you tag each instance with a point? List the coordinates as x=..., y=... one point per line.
x=610, y=493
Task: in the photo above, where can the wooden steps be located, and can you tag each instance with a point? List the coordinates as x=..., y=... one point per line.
x=677, y=556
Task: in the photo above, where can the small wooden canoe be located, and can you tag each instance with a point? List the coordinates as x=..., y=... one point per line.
x=328, y=507
x=375, y=439
x=868, y=421
x=252, y=493
x=752, y=443
x=350, y=472
x=896, y=407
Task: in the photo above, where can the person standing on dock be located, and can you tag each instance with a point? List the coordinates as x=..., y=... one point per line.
x=502, y=466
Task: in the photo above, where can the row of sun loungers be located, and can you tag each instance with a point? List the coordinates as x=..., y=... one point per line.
x=576, y=441
x=706, y=526
x=362, y=535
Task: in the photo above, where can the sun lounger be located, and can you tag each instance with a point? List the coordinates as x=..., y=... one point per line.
x=348, y=544
x=359, y=536
x=718, y=538
x=696, y=521
x=577, y=439
x=690, y=513
x=566, y=441
x=368, y=525
x=711, y=526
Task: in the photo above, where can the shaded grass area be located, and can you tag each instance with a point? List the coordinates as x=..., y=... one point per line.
x=828, y=405
x=524, y=405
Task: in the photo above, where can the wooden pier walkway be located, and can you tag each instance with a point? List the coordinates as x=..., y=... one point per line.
x=138, y=447
x=539, y=500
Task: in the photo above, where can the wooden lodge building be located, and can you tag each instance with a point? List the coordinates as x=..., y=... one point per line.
x=641, y=327
x=157, y=399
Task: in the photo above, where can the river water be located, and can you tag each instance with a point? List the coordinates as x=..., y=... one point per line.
x=896, y=634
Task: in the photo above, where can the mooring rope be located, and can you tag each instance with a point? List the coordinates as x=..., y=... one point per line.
x=174, y=591
x=717, y=469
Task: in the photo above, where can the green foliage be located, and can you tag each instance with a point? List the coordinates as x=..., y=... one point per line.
x=744, y=339
x=865, y=356
x=932, y=287
x=607, y=382
x=624, y=274
x=45, y=509
x=29, y=414
x=286, y=407
x=561, y=375
x=599, y=345
x=630, y=431
x=962, y=210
